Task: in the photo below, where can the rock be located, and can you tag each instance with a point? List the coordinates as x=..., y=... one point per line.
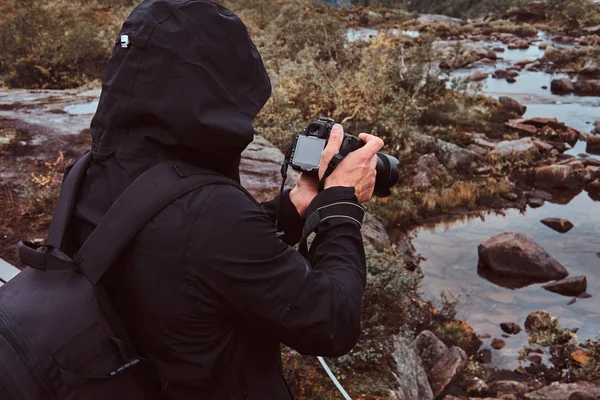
x=535, y=202
x=592, y=29
x=540, y=194
x=478, y=76
x=559, y=176
x=591, y=68
x=447, y=369
x=587, y=88
x=511, y=196
x=562, y=86
x=582, y=396
x=509, y=387
x=260, y=169
x=594, y=187
x=485, y=356
x=571, y=287
x=535, y=359
x=449, y=154
x=519, y=147
x=498, y=344
x=596, y=130
x=499, y=49
x=479, y=150
x=430, y=349
x=543, y=45
x=411, y=377
x=544, y=87
x=445, y=65
x=542, y=146
x=430, y=165
x=558, y=224
x=521, y=127
x=593, y=144
x=481, y=142
x=562, y=391
x=512, y=74
x=428, y=19
x=510, y=328
x=500, y=74
x=510, y=79
x=421, y=182
x=511, y=104
x=374, y=232
x=517, y=257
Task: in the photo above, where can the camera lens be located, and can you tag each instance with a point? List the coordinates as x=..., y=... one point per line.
x=387, y=174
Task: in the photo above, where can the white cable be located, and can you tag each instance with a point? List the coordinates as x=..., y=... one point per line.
x=334, y=379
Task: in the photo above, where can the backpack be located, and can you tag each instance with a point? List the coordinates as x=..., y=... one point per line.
x=60, y=336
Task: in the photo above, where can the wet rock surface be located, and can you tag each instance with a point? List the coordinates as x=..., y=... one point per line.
x=517, y=260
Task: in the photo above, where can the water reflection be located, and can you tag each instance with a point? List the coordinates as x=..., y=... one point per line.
x=451, y=262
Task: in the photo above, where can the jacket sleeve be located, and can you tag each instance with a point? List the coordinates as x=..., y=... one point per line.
x=315, y=309
x=290, y=222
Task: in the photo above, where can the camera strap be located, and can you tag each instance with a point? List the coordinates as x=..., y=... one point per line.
x=333, y=163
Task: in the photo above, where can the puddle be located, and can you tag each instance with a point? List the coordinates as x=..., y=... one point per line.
x=451, y=265
x=80, y=109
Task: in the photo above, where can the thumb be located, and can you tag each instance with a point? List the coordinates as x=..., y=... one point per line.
x=336, y=137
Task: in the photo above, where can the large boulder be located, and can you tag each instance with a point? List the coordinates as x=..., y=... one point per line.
x=411, y=376
x=517, y=258
x=511, y=104
x=562, y=86
x=560, y=177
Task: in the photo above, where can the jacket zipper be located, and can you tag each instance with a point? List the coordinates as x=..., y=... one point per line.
x=24, y=356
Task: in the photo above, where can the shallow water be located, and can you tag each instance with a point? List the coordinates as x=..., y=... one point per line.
x=451, y=265
x=451, y=248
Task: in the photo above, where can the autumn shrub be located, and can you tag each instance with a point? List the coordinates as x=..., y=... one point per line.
x=54, y=44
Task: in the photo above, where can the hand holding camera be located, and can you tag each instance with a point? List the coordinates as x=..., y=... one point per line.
x=357, y=169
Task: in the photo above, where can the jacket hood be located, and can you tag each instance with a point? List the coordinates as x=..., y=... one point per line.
x=183, y=82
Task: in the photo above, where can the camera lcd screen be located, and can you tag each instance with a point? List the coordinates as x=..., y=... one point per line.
x=308, y=152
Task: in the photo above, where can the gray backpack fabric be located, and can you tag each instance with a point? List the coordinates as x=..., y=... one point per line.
x=60, y=336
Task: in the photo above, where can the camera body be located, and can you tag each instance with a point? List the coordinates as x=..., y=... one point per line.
x=305, y=155
x=307, y=147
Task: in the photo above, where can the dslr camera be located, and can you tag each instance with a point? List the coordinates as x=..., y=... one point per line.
x=305, y=154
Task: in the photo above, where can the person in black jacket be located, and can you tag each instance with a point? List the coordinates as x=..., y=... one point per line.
x=207, y=290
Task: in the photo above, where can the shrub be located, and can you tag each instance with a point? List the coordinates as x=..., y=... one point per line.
x=54, y=44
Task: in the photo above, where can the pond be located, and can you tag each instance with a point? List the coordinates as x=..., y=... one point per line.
x=450, y=248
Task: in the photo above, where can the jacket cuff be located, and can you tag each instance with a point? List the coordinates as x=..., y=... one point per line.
x=336, y=202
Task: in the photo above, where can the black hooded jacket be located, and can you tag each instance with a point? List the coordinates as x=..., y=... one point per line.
x=207, y=290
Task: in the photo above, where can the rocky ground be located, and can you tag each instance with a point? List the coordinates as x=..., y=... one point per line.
x=410, y=349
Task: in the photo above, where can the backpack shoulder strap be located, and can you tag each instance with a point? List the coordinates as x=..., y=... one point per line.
x=66, y=201
x=137, y=205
